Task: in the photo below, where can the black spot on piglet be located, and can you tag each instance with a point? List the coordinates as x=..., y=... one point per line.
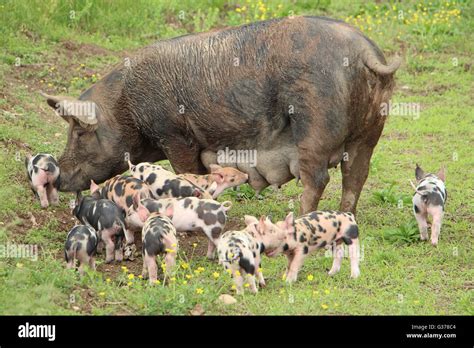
x=246, y=265
x=352, y=232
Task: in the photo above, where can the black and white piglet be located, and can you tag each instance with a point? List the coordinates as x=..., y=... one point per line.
x=429, y=199
x=44, y=176
x=107, y=219
x=81, y=245
x=158, y=237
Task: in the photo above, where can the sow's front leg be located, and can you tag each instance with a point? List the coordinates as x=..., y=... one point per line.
x=183, y=154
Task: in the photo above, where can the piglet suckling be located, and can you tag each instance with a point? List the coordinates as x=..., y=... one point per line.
x=218, y=180
x=44, y=176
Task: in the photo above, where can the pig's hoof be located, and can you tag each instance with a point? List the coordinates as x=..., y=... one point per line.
x=108, y=262
x=262, y=285
x=355, y=274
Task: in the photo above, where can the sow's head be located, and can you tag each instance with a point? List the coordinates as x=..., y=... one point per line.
x=94, y=148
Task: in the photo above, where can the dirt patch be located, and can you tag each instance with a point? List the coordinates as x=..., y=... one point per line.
x=84, y=49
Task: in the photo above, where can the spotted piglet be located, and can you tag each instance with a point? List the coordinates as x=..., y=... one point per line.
x=239, y=253
x=81, y=244
x=189, y=214
x=165, y=184
x=218, y=180
x=44, y=176
x=429, y=199
x=158, y=237
x=120, y=189
x=108, y=220
x=316, y=230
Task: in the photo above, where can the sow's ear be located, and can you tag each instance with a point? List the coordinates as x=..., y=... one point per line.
x=82, y=112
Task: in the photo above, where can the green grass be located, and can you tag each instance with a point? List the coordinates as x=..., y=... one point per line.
x=399, y=273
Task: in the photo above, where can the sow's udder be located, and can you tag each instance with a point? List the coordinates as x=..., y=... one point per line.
x=274, y=165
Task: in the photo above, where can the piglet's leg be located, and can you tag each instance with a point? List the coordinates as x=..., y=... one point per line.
x=42, y=196
x=252, y=283
x=170, y=261
x=92, y=262
x=354, y=252
x=338, y=251
x=145, y=268
x=261, y=279
x=237, y=276
x=118, y=248
x=109, y=245
x=422, y=225
x=295, y=266
x=52, y=194
x=150, y=262
x=210, y=250
x=437, y=214
x=71, y=261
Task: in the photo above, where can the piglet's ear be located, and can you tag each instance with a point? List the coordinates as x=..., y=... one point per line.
x=249, y=220
x=419, y=173
x=442, y=174
x=215, y=168
x=290, y=223
x=136, y=200
x=130, y=166
x=219, y=178
x=143, y=213
x=169, y=211
x=94, y=187
x=261, y=223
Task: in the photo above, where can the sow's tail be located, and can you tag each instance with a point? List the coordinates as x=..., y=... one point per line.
x=374, y=64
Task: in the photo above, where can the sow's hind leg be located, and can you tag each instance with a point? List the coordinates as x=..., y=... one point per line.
x=355, y=169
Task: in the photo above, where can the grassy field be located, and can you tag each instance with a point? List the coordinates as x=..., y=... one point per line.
x=62, y=47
